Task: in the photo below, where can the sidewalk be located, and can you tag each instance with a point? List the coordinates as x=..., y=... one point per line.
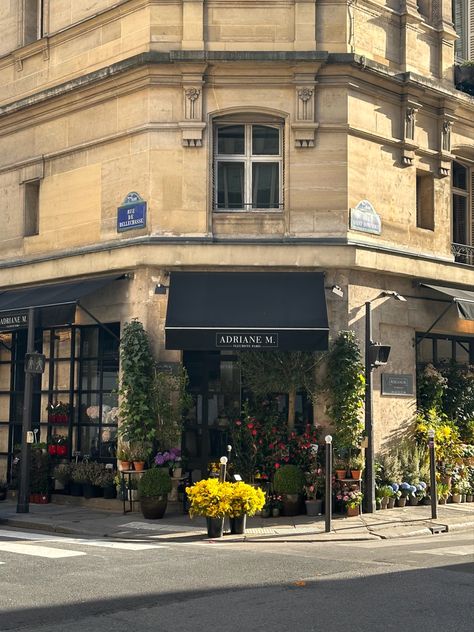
x=95, y=522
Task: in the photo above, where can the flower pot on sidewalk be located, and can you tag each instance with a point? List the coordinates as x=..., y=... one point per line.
x=215, y=527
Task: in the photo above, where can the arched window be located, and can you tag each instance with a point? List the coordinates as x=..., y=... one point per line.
x=248, y=164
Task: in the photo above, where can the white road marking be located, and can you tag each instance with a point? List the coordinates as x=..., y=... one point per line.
x=37, y=550
x=107, y=544
x=447, y=550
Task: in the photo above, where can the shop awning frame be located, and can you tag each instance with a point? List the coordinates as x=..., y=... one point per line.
x=247, y=310
x=463, y=299
x=57, y=301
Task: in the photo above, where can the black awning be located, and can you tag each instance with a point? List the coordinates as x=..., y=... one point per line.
x=56, y=300
x=247, y=310
x=463, y=299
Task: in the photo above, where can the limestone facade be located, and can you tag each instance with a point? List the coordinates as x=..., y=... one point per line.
x=110, y=97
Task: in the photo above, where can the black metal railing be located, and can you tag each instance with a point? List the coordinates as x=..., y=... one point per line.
x=463, y=253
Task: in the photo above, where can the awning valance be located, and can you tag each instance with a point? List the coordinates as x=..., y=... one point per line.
x=247, y=310
x=463, y=299
x=57, y=302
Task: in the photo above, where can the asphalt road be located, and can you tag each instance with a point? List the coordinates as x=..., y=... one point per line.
x=51, y=584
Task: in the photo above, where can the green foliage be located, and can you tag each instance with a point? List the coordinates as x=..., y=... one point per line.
x=288, y=372
x=390, y=467
x=346, y=386
x=431, y=385
x=289, y=479
x=39, y=472
x=137, y=366
x=154, y=482
x=447, y=443
x=170, y=400
x=139, y=451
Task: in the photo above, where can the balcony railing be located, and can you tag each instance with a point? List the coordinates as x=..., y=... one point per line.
x=463, y=253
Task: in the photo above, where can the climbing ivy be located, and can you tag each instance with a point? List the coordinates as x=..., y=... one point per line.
x=138, y=422
x=345, y=384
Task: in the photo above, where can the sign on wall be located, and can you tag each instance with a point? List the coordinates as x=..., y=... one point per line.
x=397, y=384
x=263, y=340
x=13, y=320
x=132, y=214
x=364, y=218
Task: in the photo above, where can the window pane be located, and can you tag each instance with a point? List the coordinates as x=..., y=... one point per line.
x=265, y=185
x=459, y=219
x=425, y=350
x=230, y=139
x=462, y=352
x=90, y=342
x=265, y=140
x=444, y=347
x=459, y=176
x=230, y=185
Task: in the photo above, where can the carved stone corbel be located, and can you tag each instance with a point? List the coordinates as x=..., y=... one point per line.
x=193, y=126
x=304, y=128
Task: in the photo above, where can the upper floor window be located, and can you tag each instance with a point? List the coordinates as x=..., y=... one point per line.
x=463, y=213
x=32, y=192
x=425, y=200
x=248, y=166
x=463, y=20
x=32, y=20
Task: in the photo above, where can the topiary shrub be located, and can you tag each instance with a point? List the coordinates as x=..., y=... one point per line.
x=289, y=479
x=154, y=482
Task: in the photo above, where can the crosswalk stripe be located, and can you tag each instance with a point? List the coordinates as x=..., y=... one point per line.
x=108, y=544
x=448, y=550
x=37, y=550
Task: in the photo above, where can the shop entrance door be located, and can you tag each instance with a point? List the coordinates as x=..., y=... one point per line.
x=214, y=383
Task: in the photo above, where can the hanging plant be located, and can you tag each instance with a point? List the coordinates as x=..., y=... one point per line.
x=346, y=386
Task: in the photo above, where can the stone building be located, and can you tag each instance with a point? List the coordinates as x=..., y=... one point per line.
x=262, y=169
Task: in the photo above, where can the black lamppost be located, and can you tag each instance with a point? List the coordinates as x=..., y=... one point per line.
x=376, y=355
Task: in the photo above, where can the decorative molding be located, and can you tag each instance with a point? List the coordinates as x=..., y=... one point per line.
x=40, y=47
x=304, y=128
x=191, y=132
x=304, y=134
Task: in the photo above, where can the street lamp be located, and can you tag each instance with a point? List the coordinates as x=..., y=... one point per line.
x=376, y=354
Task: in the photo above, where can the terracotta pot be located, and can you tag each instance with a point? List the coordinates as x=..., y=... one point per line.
x=340, y=474
x=139, y=466
x=356, y=474
x=352, y=511
x=125, y=465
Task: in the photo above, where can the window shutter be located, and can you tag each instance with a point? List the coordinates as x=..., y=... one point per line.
x=470, y=30
x=459, y=26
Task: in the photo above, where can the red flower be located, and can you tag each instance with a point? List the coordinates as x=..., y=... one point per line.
x=249, y=426
x=238, y=423
x=277, y=465
x=254, y=432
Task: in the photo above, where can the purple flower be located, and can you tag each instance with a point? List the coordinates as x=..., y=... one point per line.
x=395, y=487
x=159, y=460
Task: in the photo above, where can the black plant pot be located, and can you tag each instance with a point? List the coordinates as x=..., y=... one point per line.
x=76, y=489
x=3, y=494
x=215, y=527
x=110, y=492
x=88, y=490
x=237, y=524
x=292, y=504
x=154, y=507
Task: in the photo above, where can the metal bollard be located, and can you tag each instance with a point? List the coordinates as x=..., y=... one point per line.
x=328, y=499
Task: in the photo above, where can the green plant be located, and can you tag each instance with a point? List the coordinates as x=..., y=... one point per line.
x=356, y=461
x=63, y=472
x=79, y=473
x=289, y=479
x=346, y=386
x=154, y=482
x=245, y=499
x=170, y=400
x=386, y=492
x=39, y=472
x=209, y=497
x=442, y=490
x=138, y=422
x=123, y=453
x=139, y=451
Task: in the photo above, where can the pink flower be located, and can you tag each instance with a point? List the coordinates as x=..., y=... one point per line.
x=238, y=423
x=277, y=465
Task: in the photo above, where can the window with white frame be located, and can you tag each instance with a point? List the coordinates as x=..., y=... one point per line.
x=248, y=166
x=33, y=11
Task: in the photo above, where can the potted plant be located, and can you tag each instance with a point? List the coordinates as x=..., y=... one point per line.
x=153, y=489
x=39, y=477
x=107, y=483
x=139, y=453
x=352, y=499
x=244, y=501
x=62, y=477
x=289, y=481
x=340, y=468
x=442, y=490
x=356, y=465
x=210, y=498
x=312, y=502
x=169, y=459
x=3, y=490
x=123, y=457
x=78, y=478
x=385, y=492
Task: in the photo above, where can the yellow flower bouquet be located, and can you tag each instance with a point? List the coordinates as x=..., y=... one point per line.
x=209, y=498
x=245, y=499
